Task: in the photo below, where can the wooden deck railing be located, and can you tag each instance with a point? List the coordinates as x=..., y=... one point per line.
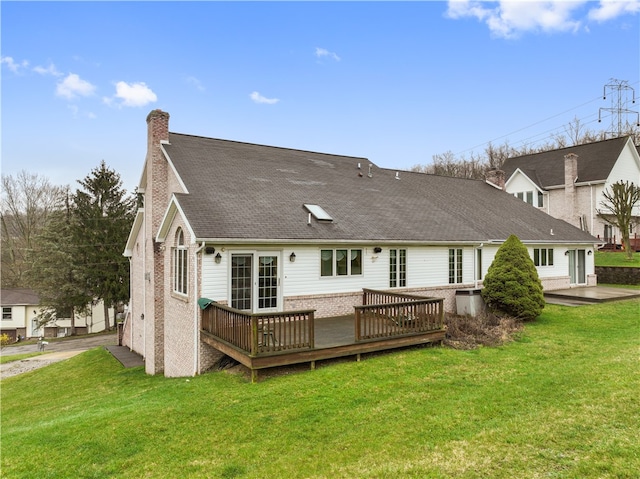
x=260, y=333
x=386, y=314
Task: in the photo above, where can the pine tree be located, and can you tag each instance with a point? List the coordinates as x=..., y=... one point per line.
x=104, y=214
x=511, y=284
x=56, y=271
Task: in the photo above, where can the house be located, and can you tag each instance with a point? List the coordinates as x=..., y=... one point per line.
x=264, y=229
x=568, y=183
x=20, y=310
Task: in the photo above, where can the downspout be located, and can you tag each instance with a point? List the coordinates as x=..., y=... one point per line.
x=131, y=320
x=196, y=313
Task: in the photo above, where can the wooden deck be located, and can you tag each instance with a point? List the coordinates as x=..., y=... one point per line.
x=287, y=338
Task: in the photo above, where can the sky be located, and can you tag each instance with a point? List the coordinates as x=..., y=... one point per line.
x=393, y=82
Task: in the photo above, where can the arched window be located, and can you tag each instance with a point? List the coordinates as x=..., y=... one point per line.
x=180, y=264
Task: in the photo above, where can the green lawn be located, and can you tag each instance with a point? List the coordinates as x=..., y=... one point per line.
x=616, y=258
x=560, y=402
x=7, y=357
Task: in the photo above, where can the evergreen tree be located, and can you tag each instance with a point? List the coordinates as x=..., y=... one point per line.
x=56, y=272
x=104, y=214
x=512, y=284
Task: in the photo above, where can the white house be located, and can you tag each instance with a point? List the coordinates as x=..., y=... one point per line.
x=568, y=183
x=265, y=229
x=21, y=308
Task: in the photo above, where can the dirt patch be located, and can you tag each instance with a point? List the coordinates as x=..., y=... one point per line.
x=489, y=329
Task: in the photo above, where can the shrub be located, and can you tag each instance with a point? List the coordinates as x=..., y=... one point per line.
x=512, y=285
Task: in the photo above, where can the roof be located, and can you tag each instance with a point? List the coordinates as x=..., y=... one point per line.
x=247, y=192
x=19, y=297
x=595, y=161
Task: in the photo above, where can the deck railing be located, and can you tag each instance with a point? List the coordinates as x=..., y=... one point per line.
x=386, y=314
x=260, y=333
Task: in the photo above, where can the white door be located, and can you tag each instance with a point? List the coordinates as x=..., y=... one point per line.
x=577, y=266
x=255, y=281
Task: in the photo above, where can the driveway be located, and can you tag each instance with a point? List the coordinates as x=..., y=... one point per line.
x=55, y=351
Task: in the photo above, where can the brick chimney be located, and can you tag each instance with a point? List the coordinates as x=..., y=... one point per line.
x=496, y=177
x=157, y=197
x=570, y=177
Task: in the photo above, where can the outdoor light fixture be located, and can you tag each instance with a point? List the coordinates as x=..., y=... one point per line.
x=218, y=258
x=292, y=257
x=566, y=253
x=377, y=249
x=589, y=252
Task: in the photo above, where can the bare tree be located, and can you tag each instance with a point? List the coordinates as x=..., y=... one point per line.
x=27, y=202
x=617, y=209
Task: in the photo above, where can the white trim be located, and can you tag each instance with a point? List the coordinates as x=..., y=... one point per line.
x=173, y=168
x=133, y=234
x=167, y=220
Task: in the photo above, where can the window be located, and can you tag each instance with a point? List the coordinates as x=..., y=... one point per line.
x=397, y=268
x=6, y=314
x=180, y=276
x=530, y=197
x=540, y=199
x=455, y=265
x=543, y=256
x=340, y=262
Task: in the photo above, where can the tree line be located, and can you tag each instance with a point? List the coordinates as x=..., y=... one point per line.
x=493, y=156
x=67, y=245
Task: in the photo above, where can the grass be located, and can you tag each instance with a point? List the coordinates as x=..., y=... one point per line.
x=616, y=258
x=5, y=358
x=560, y=402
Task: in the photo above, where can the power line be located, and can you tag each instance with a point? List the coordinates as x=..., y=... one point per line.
x=545, y=134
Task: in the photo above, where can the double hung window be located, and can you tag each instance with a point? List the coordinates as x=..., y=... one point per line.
x=340, y=262
x=397, y=268
x=543, y=256
x=455, y=265
x=180, y=264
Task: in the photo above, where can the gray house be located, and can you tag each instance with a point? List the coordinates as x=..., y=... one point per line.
x=261, y=230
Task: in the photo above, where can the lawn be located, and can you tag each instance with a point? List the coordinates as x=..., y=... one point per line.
x=560, y=402
x=616, y=258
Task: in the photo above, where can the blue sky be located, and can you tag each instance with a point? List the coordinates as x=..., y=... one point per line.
x=395, y=82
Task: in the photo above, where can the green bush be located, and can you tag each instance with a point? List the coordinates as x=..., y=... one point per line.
x=512, y=285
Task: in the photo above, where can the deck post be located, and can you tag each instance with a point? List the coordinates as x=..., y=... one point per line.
x=254, y=376
x=313, y=365
x=254, y=336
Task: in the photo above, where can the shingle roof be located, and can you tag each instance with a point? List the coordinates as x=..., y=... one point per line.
x=18, y=297
x=245, y=191
x=595, y=161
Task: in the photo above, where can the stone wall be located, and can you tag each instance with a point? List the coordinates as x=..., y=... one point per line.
x=618, y=274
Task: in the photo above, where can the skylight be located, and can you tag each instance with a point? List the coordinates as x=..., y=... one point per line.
x=318, y=212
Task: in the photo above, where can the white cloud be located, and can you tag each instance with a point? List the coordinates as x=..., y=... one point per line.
x=132, y=94
x=12, y=65
x=50, y=70
x=509, y=19
x=609, y=9
x=258, y=98
x=322, y=52
x=73, y=86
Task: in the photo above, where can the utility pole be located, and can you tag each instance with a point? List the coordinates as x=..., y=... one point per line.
x=619, y=103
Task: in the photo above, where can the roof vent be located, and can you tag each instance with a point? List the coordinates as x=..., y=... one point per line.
x=318, y=212
x=397, y=175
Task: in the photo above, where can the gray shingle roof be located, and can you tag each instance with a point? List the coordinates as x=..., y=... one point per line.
x=595, y=161
x=18, y=297
x=245, y=191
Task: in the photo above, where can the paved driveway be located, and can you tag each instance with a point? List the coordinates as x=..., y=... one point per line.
x=55, y=351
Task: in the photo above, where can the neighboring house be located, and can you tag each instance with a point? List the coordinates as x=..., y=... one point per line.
x=20, y=310
x=262, y=228
x=568, y=183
